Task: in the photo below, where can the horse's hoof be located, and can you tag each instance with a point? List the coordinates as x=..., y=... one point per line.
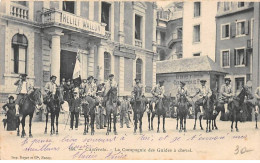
x=216, y=128
x=207, y=130
x=176, y=128
x=30, y=135
x=158, y=131
x=152, y=128
x=45, y=132
x=115, y=133
x=180, y=130
x=85, y=133
x=22, y=136
x=149, y=129
x=210, y=130
x=164, y=131
x=194, y=128
x=201, y=128
x=231, y=130
x=256, y=127
x=18, y=134
x=107, y=133
x=92, y=133
x=185, y=130
x=237, y=130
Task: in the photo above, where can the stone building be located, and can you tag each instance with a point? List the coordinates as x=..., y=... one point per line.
x=44, y=38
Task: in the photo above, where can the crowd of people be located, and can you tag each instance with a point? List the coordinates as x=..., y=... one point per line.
x=89, y=87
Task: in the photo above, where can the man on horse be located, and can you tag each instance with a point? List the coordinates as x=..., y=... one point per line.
x=90, y=89
x=108, y=85
x=23, y=88
x=138, y=89
x=158, y=93
x=124, y=109
x=101, y=112
x=182, y=91
x=50, y=88
x=68, y=89
x=257, y=96
x=226, y=94
x=204, y=94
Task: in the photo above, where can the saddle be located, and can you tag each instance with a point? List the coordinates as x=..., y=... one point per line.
x=22, y=100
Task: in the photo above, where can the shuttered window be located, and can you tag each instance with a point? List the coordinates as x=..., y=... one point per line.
x=225, y=31
x=225, y=58
x=227, y=6
x=139, y=68
x=107, y=65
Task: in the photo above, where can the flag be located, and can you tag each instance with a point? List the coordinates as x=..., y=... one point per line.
x=77, y=81
x=77, y=68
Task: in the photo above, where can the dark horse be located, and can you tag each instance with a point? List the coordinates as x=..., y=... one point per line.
x=53, y=105
x=88, y=109
x=197, y=110
x=217, y=108
x=111, y=108
x=160, y=110
x=236, y=106
x=139, y=106
x=182, y=112
x=209, y=111
x=27, y=108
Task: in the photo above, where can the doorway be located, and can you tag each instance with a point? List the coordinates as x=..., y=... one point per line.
x=67, y=64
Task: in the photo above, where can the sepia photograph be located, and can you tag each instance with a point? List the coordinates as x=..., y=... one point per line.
x=129, y=80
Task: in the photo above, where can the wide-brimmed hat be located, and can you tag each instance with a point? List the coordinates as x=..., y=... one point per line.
x=137, y=79
x=182, y=83
x=111, y=75
x=161, y=81
x=11, y=97
x=203, y=81
x=90, y=77
x=23, y=75
x=53, y=76
x=228, y=79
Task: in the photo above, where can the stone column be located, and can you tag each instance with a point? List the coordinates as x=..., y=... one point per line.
x=121, y=75
x=121, y=23
x=91, y=10
x=100, y=66
x=55, y=53
x=91, y=61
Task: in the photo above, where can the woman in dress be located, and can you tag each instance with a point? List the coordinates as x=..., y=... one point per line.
x=10, y=113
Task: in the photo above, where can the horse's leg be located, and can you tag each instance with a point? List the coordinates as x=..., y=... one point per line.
x=164, y=131
x=85, y=124
x=210, y=125
x=177, y=119
x=181, y=120
x=114, y=121
x=52, y=123
x=23, y=124
x=185, y=124
x=57, y=122
x=135, y=122
x=141, y=123
x=148, y=115
x=194, y=128
x=153, y=115
x=236, y=122
x=232, y=121
x=45, y=132
x=158, y=126
x=18, y=126
x=256, y=122
x=30, y=125
x=200, y=122
x=92, y=116
x=207, y=121
x=108, y=116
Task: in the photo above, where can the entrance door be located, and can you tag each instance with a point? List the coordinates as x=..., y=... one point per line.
x=67, y=64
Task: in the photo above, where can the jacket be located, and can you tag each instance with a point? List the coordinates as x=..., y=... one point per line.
x=75, y=105
x=125, y=105
x=108, y=85
x=158, y=91
x=19, y=84
x=138, y=88
x=203, y=91
x=50, y=87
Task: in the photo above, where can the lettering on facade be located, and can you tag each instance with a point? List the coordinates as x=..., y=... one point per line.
x=81, y=23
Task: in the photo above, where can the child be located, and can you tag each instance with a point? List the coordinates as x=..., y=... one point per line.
x=10, y=113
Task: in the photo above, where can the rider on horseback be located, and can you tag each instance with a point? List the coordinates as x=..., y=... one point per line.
x=50, y=88
x=226, y=94
x=108, y=85
x=204, y=94
x=182, y=91
x=158, y=93
x=23, y=88
x=90, y=88
x=138, y=87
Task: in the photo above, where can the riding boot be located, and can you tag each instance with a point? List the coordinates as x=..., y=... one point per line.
x=17, y=109
x=256, y=110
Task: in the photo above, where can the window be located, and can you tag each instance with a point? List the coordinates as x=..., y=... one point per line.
x=162, y=55
x=196, y=9
x=196, y=33
x=19, y=49
x=107, y=65
x=69, y=6
x=239, y=83
x=225, y=31
x=226, y=6
x=240, y=57
x=105, y=15
x=139, y=68
x=196, y=54
x=241, y=30
x=225, y=58
x=162, y=38
x=138, y=27
x=179, y=33
x=241, y=4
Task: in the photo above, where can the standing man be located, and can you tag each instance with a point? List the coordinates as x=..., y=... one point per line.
x=23, y=88
x=68, y=90
x=75, y=108
x=158, y=93
x=124, y=109
x=101, y=112
x=204, y=95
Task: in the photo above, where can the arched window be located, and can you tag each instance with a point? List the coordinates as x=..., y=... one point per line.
x=107, y=65
x=19, y=53
x=139, y=68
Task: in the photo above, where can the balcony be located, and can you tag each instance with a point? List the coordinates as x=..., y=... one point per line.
x=19, y=11
x=63, y=19
x=138, y=43
x=175, y=37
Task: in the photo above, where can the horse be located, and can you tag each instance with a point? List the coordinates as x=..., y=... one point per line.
x=209, y=110
x=236, y=107
x=112, y=103
x=197, y=110
x=182, y=112
x=88, y=109
x=175, y=110
x=53, y=107
x=139, y=106
x=217, y=108
x=150, y=115
x=27, y=108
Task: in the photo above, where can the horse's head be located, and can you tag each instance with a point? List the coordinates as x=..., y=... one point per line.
x=183, y=98
x=36, y=96
x=113, y=94
x=59, y=94
x=166, y=100
x=244, y=92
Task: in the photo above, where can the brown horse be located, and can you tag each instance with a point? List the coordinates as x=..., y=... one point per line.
x=27, y=108
x=53, y=105
x=182, y=112
x=111, y=108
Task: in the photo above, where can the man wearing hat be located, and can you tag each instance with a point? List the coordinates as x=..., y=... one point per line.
x=83, y=86
x=75, y=108
x=182, y=90
x=204, y=94
x=100, y=110
x=50, y=87
x=226, y=94
x=90, y=89
x=157, y=92
x=108, y=85
x=124, y=109
x=138, y=87
x=23, y=88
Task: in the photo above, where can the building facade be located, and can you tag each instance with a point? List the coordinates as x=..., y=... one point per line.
x=234, y=41
x=169, y=31
x=44, y=38
x=199, y=28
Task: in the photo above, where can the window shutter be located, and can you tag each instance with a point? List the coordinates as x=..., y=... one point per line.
x=223, y=31
x=246, y=57
x=235, y=57
x=233, y=29
x=247, y=24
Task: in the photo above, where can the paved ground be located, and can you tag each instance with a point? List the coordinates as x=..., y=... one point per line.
x=194, y=144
